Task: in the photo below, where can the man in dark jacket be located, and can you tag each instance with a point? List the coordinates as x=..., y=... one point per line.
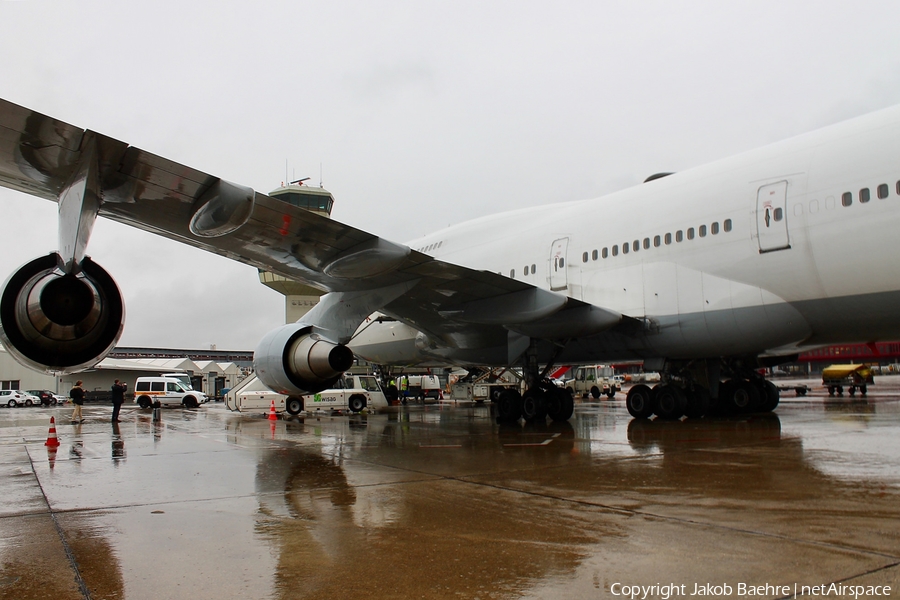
x=118, y=397
x=77, y=395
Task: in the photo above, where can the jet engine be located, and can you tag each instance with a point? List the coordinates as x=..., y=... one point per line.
x=58, y=322
x=294, y=359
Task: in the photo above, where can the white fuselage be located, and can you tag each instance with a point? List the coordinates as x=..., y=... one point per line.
x=786, y=246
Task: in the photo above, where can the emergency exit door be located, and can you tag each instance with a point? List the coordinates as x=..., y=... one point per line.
x=771, y=217
x=558, y=279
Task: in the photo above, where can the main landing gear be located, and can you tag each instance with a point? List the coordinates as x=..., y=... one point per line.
x=674, y=399
x=539, y=402
x=541, y=399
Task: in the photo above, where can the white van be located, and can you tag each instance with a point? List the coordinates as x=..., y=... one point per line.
x=166, y=390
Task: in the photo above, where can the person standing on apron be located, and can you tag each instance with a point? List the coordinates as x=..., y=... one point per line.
x=77, y=396
x=118, y=397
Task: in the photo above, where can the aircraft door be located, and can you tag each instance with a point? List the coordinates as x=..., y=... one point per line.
x=558, y=279
x=771, y=217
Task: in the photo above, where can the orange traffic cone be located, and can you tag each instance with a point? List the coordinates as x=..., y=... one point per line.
x=52, y=440
x=272, y=415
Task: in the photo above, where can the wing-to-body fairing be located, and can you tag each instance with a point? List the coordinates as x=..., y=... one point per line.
x=704, y=274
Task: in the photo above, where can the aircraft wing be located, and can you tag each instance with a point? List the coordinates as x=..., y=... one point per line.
x=40, y=155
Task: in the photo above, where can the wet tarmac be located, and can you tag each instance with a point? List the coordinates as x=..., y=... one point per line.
x=438, y=501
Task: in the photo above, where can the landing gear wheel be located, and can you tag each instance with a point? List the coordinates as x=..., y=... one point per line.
x=509, y=406
x=744, y=397
x=698, y=402
x=595, y=392
x=638, y=402
x=560, y=404
x=293, y=405
x=356, y=403
x=495, y=393
x=534, y=405
x=669, y=402
x=770, y=396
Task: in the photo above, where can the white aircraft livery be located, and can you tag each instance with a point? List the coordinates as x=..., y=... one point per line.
x=706, y=275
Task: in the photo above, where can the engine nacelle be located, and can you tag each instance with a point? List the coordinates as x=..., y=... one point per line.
x=294, y=360
x=57, y=322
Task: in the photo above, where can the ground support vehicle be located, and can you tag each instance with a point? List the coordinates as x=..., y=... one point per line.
x=800, y=390
x=165, y=390
x=479, y=392
x=854, y=377
x=352, y=392
x=13, y=398
x=594, y=380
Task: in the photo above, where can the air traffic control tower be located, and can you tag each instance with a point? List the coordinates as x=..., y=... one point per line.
x=298, y=298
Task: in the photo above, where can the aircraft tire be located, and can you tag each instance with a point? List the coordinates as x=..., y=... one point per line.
x=293, y=404
x=698, y=402
x=560, y=405
x=509, y=406
x=638, y=402
x=744, y=397
x=770, y=396
x=534, y=405
x=669, y=402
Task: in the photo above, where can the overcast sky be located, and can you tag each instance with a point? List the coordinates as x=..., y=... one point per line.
x=421, y=114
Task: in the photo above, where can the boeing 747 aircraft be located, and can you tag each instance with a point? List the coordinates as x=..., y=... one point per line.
x=705, y=275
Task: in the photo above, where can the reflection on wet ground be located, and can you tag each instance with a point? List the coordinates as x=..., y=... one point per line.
x=441, y=502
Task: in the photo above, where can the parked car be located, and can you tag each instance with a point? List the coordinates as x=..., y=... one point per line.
x=12, y=398
x=46, y=397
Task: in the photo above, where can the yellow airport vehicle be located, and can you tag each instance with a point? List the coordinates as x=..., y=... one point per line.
x=854, y=377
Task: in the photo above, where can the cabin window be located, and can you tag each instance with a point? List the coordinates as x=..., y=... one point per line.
x=605, y=253
x=727, y=225
x=679, y=236
x=864, y=195
x=813, y=206
x=616, y=250
x=656, y=241
x=847, y=199
x=646, y=243
x=562, y=262
x=690, y=233
x=584, y=258
x=882, y=191
x=668, y=239
x=778, y=214
x=898, y=187
x=636, y=245
x=625, y=248
x=702, y=231
x=594, y=255
x=525, y=270
x=512, y=273
x=714, y=228
x=532, y=270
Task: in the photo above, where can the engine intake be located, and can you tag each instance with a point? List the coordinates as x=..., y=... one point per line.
x=294, y=360
x=58, y=322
